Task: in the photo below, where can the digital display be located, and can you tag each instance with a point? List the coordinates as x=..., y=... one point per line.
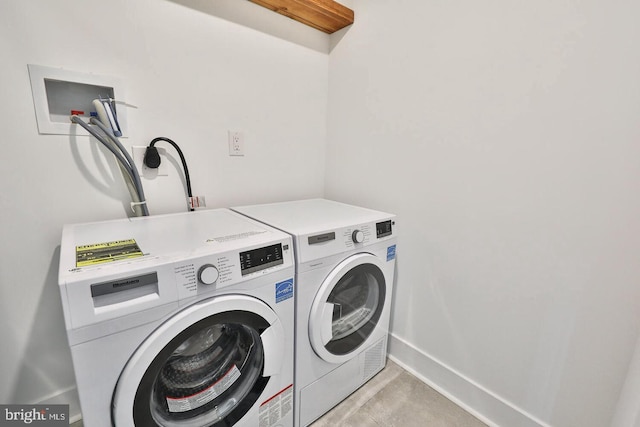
x=383, y=229
x=261, y=258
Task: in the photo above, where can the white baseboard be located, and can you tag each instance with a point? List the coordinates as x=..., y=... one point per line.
x=485, y=405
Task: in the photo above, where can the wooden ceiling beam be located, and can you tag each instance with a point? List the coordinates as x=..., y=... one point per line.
x=325, y=15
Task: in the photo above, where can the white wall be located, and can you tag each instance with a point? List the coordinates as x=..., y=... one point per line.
x=505, y=135
x=192, y=76
x=627, y=412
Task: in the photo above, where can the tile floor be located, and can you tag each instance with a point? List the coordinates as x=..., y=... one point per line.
x=394, y=398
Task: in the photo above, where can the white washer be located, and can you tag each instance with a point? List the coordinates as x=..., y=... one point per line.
x=345, y=261
x=189, y=324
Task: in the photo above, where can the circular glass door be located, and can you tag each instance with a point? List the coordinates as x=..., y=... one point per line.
x=209, y=374
x=347, y=307
x=205, y=374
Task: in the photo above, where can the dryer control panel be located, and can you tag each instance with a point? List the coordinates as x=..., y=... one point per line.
x=338, y=240
x=353, y=235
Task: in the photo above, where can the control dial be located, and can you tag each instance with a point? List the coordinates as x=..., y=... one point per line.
x=357, y=236
x=208, y=274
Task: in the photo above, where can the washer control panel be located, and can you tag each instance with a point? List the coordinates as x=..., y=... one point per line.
x=206, y=273
x=260, y=258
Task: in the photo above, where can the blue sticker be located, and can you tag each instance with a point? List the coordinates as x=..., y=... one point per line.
x=391, y=252
x=284, y=290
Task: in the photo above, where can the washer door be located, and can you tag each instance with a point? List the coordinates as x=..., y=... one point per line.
x=205, y=366
x=347, y=307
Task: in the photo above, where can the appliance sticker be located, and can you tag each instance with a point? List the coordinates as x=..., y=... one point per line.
x=391, y=252
x=276, y=407
x=100, y=253
x=284, y=290
x=231, y=237
x=184, y=404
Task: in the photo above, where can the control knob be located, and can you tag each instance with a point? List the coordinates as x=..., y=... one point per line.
x=357, y=236
x=208, y=274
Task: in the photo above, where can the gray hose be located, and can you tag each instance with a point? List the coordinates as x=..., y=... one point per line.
x=124, y=165
x=128, y=178
x=134, y=171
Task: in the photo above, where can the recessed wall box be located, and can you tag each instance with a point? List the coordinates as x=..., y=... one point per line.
x=57, y=92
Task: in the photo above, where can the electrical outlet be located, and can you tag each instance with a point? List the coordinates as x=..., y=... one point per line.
x=236, y=143
x=138, y=159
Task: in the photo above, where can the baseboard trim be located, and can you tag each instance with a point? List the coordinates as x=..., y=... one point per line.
x=482, y=403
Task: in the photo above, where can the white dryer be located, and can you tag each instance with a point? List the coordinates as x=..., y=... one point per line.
x=180, y=320
x=345, y=261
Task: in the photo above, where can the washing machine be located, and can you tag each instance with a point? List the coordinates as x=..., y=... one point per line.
x=345, y=261
x=180, y=320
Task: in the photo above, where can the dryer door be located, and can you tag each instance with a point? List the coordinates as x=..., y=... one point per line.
x=205, y=366
x=347, y=307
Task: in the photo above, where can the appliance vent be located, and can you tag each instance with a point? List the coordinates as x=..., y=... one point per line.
x=374, y=359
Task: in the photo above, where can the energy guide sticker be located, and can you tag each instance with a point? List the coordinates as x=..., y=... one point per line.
x=100, y=253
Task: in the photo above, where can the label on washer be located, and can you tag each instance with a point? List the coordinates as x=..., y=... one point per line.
x=231, y=237
x=391, y=252
x=100, y=253
x=184, y=404
x=284, y=290
x=276, y=407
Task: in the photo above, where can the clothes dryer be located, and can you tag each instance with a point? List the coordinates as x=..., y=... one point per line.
x=180, y=320
x=345, y=261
